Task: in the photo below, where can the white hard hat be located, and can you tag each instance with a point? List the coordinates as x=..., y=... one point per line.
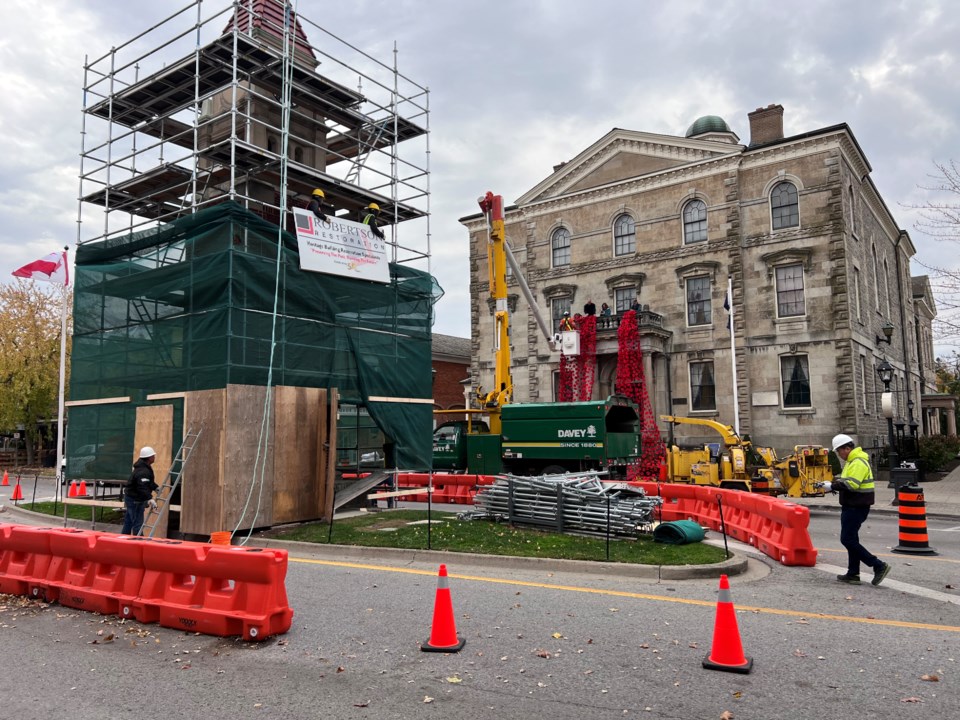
x=840, y=440
x=146, y=452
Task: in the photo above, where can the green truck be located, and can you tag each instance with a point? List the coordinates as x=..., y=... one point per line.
x=544, y=438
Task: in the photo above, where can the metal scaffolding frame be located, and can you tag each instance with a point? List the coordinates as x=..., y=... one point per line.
x=198, y=109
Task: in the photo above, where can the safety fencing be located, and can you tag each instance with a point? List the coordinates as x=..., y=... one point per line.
x=776, y=528
x=210, y=589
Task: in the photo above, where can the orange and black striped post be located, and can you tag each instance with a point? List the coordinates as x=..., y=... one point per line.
x=913, y=523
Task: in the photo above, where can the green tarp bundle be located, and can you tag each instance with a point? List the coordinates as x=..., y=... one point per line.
x=189, y=306
x=678, y=532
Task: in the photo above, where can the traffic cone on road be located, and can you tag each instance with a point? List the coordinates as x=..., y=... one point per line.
x=6, y=479
x=17, y=493
x=912, y=512
x=443, y=634
x=82, y=489
x=726, y=653
x=72, y=492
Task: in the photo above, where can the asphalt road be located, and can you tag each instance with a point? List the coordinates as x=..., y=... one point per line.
x=539, y=643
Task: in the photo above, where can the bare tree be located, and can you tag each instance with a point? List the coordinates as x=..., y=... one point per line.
x=940, y=219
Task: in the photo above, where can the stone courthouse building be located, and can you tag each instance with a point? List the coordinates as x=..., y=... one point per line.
x=819, y=268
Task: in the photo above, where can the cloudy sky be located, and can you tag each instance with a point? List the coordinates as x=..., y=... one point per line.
x=518, y=86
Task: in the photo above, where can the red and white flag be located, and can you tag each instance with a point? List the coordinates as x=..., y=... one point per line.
x=52, y=268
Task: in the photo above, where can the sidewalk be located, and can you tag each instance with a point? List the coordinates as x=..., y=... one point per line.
x=941, y=497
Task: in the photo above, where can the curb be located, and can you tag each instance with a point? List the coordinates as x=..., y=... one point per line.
x=44, y=520
x=732, y=566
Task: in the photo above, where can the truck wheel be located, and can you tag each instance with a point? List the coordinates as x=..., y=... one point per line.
x=554, y=470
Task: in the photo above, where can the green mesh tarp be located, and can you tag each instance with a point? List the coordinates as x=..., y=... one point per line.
x=189, y=306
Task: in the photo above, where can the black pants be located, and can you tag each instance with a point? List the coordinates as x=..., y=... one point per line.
x=851, y=518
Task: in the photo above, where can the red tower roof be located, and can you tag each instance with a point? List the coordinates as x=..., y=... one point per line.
x=268, y=18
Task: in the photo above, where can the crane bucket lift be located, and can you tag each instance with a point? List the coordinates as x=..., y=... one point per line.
x=499, y=256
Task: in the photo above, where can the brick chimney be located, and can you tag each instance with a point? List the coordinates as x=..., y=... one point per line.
x=766, y=124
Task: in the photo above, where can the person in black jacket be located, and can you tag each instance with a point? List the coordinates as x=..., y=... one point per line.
x=316, y=205
x=138, y=492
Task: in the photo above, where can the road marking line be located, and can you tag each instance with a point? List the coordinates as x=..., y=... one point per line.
x=640, y=596
x=896, y=555
x=953, y=529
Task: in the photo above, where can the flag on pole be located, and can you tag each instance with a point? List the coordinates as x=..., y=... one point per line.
x=52, y=268
x=726, y=306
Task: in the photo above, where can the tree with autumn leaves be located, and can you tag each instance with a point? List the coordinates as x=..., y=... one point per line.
x=30, y=315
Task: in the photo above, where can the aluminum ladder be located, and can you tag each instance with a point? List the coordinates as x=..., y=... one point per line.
x=171, y=482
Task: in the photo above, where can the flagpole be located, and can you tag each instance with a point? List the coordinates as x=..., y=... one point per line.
x=733, y=359
x=63, y=367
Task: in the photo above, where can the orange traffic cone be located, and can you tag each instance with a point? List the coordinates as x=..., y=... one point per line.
x=6, y=479
x=443, y=635
x=72, y=492
x=82, y=489
x=727, y=651
x=17, y=493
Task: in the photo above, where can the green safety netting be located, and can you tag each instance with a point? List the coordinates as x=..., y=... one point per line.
x=188, y=306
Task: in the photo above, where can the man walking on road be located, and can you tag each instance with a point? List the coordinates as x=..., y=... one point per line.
x=855, y=485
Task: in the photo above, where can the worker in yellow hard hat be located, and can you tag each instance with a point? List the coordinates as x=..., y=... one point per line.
x=373, y=212
x=316, y=205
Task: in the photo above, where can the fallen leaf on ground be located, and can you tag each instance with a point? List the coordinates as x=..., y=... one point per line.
x=362, y=704
x=912, y=700
x=726, y=715
x=543, y=654
x=454, y=679
x=427, y=699
x=930, y=678
x=799, y=653
x=556, y=636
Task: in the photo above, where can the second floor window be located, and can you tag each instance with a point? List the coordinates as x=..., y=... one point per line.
x=698, y=301
x=624, y=235
x=790, y=300
x=785, y=206
x=560, y=246
x=694, y=222
x=703, y=392
x=558, y=306
x=795, y=378
x=623, y=298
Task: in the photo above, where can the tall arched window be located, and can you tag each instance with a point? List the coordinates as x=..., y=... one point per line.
x=560, y=246
x=694, y=222
x=624, y=235
x=784, y=206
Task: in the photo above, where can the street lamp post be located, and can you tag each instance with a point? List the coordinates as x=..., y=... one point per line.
x=885, y=373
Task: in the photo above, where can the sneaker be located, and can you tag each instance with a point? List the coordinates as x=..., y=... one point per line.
x=849, y=579
x=880, y=574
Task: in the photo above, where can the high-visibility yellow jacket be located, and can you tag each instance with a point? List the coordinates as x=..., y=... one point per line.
x=855, y=483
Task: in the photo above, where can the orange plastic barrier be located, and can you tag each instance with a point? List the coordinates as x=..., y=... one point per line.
x=447, y=487
x=24, y=559
x=775, y=527
x=216, y=590
x=213, y=589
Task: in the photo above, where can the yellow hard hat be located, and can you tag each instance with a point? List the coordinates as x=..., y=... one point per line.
x=318, y=193
x=373, y=206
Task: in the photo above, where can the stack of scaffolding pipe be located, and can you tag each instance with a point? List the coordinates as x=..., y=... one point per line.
x=573, y=502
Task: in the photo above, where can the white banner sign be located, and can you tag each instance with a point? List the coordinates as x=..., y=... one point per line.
x=340, y=247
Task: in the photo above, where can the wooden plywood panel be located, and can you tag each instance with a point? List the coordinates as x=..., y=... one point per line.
x=201, y=495
x=296, y=485
x=155, y=428
x=247, y=479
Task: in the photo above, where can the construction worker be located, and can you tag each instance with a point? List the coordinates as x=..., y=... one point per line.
x=138, y=492
x=373, y=212
x=316, y=205
x=566, y=323
x=855, y=485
